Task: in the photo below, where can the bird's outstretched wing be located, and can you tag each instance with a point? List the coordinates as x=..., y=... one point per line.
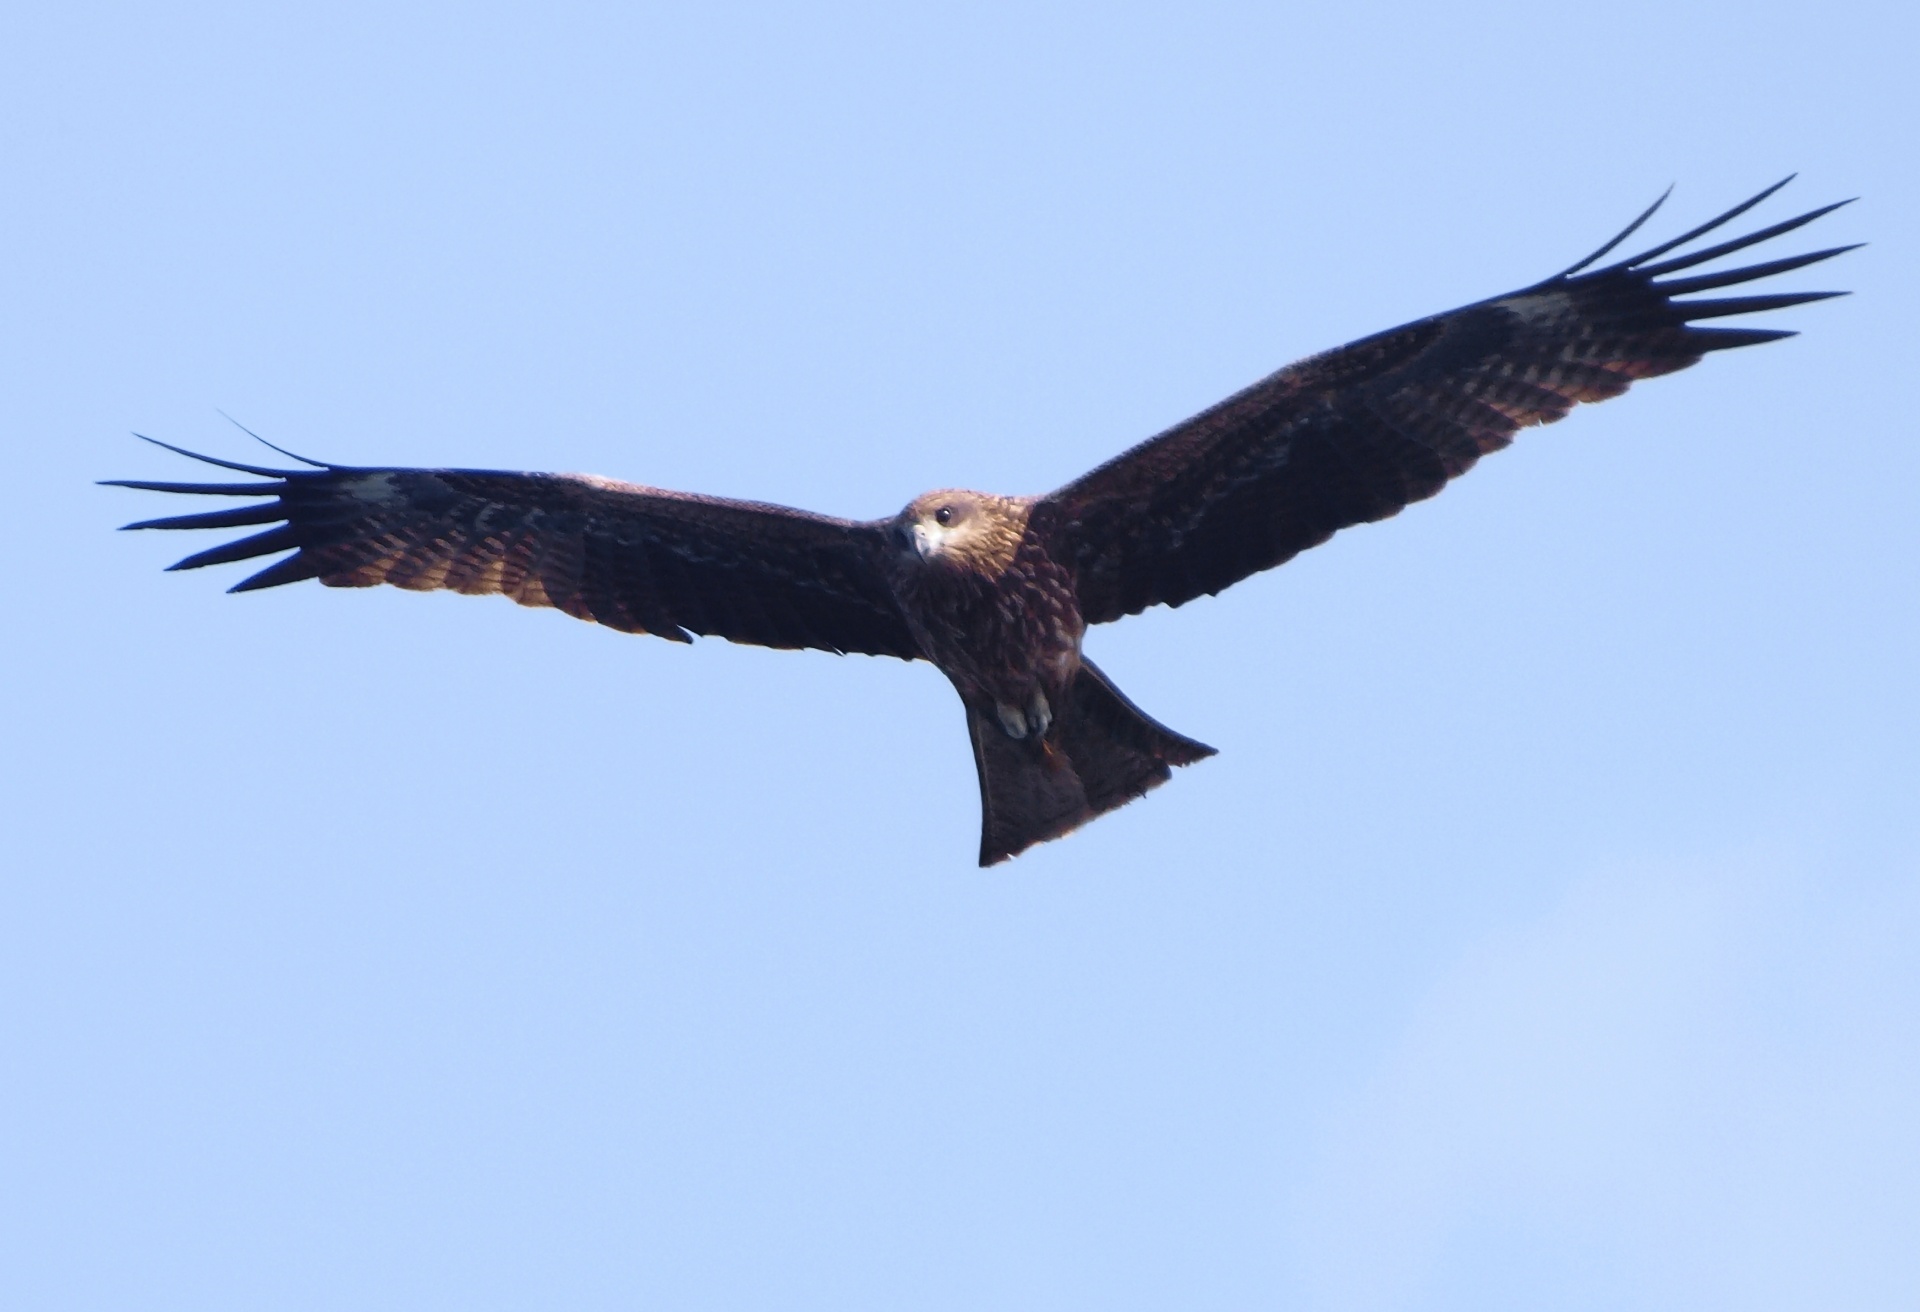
x=1357, y=433
x=637, y=559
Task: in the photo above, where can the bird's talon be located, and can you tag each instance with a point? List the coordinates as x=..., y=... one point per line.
x=1039, y=715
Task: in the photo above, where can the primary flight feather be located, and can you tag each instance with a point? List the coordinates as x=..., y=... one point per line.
x=997, y=592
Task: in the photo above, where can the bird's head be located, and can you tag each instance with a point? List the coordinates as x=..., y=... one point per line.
x=973, y=530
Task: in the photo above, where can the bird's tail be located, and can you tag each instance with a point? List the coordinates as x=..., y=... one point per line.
x=1101, y=752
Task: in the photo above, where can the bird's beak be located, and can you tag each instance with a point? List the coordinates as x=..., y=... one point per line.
x=922, y=540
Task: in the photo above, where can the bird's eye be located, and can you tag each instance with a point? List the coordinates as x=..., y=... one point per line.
x=944, y=515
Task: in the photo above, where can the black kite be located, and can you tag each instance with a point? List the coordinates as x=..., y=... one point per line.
x=998, y=591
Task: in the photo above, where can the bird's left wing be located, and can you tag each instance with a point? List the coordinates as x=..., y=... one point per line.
x=1357, y=433
x=638, y=559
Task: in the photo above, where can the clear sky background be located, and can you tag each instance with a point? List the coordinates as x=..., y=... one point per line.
x=1544, y=934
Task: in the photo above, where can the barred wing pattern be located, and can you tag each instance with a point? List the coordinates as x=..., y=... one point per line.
x=1355, y=434
x=634, y=558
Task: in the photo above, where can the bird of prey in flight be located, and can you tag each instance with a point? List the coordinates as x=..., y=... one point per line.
x=995, y=591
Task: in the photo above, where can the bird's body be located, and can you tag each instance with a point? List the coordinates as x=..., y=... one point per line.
x=988, y=604
x=996, y=591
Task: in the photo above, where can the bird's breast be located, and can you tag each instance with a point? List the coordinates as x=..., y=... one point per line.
x=1001, y=634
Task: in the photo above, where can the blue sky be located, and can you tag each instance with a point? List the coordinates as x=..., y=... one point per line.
x=1542, y=936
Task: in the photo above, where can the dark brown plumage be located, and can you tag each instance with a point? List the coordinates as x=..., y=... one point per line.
x=998, y=591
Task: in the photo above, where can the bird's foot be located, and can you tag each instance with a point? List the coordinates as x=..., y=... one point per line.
x=1035, y=720
x=1039, y=714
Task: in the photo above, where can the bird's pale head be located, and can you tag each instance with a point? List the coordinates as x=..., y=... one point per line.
x=971, y=530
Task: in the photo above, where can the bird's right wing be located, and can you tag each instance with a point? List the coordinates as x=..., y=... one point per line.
x=634, y=558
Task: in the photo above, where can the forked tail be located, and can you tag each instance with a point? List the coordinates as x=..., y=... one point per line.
x=1101, y=752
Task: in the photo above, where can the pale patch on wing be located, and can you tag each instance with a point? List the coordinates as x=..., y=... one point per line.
x=605, y=484
x=372, y=489
x=1537, y=308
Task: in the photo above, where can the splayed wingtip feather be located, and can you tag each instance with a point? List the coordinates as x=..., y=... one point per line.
x=1618, y=237
x=216, y=460
x=1750, y=273
x=291, y=455
x=1687, y=261
x=1706, y=227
